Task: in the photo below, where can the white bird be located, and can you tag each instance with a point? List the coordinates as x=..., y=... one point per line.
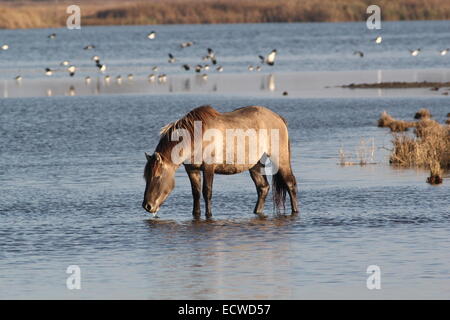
x=162, y=78
x=258, y=68
x=206, y=67
x=89, y=47
x=187, y=44
x=378, y=40
x=5, y=47
x=119, y=79
x=250, y=68
x=52, y=36
x=65, y=63
x=95, y=58
x=444, y=52
x=107, y=79
x=151, y=77
x=414, y=53
x=205, y=76
x=71, y=70
x=130, y=76
x=151, y=35
x=270, y=58
x=18, y=79
x=155, y=68
x=219, y=69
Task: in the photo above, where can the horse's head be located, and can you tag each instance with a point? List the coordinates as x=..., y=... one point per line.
x=159, y=175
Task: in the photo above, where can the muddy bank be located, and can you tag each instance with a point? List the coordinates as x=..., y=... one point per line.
x=398, y=85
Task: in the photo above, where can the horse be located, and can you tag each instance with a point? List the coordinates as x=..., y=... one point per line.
x=197, y=141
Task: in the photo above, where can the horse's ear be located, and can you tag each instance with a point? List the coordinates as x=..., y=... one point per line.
x=147, y=156
x=158, y=157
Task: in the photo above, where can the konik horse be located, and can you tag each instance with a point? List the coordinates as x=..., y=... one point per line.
x=201, y=142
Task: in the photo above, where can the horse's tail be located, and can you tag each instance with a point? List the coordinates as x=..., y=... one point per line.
x=279, y=190
x=279, y=186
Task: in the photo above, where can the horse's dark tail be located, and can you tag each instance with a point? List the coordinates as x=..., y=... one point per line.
x=279, y=190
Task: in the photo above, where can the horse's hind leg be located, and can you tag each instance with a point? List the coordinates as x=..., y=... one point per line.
x=262, y=187
x=196, y=185
x=291, y=185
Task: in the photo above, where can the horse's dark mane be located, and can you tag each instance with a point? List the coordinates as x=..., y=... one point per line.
x=202, y=114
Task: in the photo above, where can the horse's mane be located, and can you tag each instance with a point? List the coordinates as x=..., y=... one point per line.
x=202, y=114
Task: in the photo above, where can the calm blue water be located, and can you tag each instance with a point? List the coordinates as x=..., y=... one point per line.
x=71, y=182
x=301, y=46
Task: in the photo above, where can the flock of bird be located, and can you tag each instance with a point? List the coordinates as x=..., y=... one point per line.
x=209, y=61
x=414, y=52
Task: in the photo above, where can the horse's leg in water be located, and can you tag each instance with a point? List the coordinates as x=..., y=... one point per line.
x=262, y=187
x=291, y=184
x=196, y=185
x=208, y=177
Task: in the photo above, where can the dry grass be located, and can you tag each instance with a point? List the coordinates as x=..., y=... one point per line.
x=40, y=14
x=428, y=148
x=363, y=155
x=422, y=114
x=386, y=121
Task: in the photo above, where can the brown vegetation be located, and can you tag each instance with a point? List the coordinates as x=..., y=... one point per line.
x=386, y=121
x=40, y=14
x=428, y=148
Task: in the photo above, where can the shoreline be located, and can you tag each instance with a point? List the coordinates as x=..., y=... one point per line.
x=48, y=14
x=306, y=84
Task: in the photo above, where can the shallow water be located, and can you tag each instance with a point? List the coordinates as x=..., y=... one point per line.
x=71, y=186
x=71, y=182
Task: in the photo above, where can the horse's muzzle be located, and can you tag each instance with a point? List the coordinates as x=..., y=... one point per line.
x=149, y=208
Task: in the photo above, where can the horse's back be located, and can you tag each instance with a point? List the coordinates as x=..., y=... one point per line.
x=254, y=116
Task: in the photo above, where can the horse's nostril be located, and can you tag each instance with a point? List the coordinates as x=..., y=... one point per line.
x=147, y=206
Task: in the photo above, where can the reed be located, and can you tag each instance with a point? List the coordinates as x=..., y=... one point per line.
x=428, y=147
x=44, y=14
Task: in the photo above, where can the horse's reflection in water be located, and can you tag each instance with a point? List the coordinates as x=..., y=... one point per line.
x=260, y=222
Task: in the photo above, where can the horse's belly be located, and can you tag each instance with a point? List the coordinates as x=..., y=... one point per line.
x=231, y=168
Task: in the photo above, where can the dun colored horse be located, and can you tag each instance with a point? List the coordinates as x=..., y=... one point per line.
x=201, y=142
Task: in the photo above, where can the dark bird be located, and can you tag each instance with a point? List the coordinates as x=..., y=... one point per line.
x=52, y=36
x=89, y=47
x=359, y=53
x=186, y=67
x=171, y=58
x=198, y=68
x=48, y=72
x=212, y=56
x=101, y=67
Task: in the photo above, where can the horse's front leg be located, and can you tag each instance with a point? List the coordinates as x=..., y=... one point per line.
x=208, y=177
x=196, y=185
